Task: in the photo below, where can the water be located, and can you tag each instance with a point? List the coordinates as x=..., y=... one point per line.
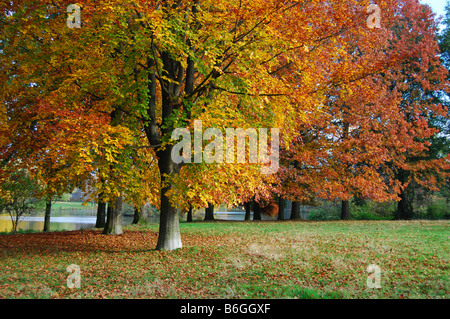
x=85, y=219
x=59, y=220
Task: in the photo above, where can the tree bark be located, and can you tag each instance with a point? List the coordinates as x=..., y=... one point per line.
x=189, y=214
x=113, y=224
x=404, y=206
x=101, y=213
x=136, y=216
x=256, y=211
x=295, y=211
x=169, y=222
x=209, y=212
x=169, y=226
x=281, y=208
x=48, y=211
x=345, y=210
x=248, y=210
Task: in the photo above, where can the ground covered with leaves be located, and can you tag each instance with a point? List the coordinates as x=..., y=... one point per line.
x=234, y=260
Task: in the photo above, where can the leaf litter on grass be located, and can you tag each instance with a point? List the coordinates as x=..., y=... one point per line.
x=271, y=260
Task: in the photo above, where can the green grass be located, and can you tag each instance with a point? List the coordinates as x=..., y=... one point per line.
x=234, y=260
x=72, y=206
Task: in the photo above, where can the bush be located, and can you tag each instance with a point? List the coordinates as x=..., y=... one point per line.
x=438, y=210
x=65, y=197
x=18, y=196
x=372, y=211
x=359, y=210
x=325, y=211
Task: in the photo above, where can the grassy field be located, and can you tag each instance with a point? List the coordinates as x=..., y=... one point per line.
x=72, y=206
x=234, y=260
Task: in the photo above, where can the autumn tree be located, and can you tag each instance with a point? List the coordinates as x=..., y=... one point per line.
x=145, y=68
x=348, y=149
x=441, y=142
x=18, y=196
x=338, y=151
x=418, y=80
x=58, y=127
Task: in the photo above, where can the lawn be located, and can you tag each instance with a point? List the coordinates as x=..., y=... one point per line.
x=234, y=260
x=72, y=206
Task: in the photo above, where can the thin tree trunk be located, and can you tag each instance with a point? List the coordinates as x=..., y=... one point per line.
x=136, y=216
x=101, y=214
x=113, y=224
x=345, y=205
x=345, y=210
x=15, y=222
x=248, y=210
x=256, y=211
x=48, y=211
x=281, y=205
x=189, y=214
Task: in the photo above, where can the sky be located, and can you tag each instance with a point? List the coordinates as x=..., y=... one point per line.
x=438, y=6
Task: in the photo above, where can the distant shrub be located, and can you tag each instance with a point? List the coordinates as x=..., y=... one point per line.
x=372, y=211
x=359, y=210
x=65, y=197
x=438, y=210
x=325, y=211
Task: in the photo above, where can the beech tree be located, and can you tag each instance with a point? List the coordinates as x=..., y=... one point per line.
x=359, y=145
x=417, y=81
x=116, y=87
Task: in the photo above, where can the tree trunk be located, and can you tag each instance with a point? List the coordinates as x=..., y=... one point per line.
x=256, y=211
x=404, y=206
x=169, y=225
x=15, y=221
x=144, y=213
x=169, y=237
x=209, y=212
x=295, y=211
x=281, y=208
x=113, y=224
x=345, y=210
x=101, y=213
x=136, y=216
x=48, y=211
x=189, y=214
x=248, y=210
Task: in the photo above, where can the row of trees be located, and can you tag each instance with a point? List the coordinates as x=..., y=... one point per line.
x=356, y=105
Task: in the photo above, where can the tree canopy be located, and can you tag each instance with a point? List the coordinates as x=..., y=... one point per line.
x=94, y=101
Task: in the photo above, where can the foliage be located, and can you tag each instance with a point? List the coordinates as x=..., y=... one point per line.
x=373, y=137
x=95, y=106
x=325, y=211
x=18, y=196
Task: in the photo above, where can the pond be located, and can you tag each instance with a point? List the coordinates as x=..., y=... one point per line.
x=59, y=220
x=85, y=219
